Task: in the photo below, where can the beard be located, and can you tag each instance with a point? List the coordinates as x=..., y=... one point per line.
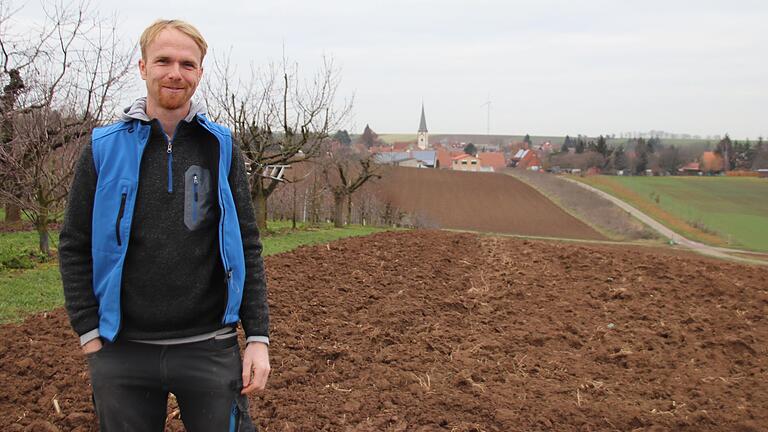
x=174, y=100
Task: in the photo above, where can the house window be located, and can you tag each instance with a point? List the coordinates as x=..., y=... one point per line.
x=474, y=162
x=464, y=162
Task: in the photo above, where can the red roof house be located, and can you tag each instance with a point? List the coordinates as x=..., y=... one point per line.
x=402, y=146
x=526, y=159
x=465, y=162
x=493, y=160
x=693, y=168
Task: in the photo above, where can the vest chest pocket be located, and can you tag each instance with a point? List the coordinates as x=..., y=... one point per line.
x=198, y=200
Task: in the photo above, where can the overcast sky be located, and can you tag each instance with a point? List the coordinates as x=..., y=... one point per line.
x=549, y=67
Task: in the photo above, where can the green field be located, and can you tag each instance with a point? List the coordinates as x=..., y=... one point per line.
x=722, y=211
x=393, y=138
x=30, y=283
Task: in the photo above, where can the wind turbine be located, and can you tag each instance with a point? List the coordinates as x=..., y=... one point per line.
x=488, y=119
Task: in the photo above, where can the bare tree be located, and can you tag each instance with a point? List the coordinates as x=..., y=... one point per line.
x=276, y=117
x=58, y=85
x=345, y=172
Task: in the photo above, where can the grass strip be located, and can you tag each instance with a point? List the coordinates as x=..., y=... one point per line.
x=718, y=210
x=648, y=207
x=25, y=292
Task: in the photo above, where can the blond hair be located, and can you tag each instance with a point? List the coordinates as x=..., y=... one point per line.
x=151, y=33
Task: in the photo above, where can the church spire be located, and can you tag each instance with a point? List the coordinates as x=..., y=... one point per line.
x=423, y=124
x=422, y=137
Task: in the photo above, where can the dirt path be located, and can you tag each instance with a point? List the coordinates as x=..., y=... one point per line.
x=431, y=331
x=668, y=233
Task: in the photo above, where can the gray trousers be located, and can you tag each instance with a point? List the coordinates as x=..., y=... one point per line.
x=131, y=382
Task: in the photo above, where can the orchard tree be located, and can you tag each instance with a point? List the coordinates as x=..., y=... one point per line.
x=277, y=117
x=345, y=172
x=59, y=82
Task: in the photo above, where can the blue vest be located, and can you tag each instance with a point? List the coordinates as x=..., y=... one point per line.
x=117, y=151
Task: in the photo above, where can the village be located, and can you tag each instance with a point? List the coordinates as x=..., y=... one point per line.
x=580, y=155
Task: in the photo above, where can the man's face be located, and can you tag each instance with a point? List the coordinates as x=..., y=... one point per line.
x=172, y=69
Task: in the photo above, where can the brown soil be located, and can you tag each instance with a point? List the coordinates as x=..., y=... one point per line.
x=587, y=205
x=486, y=202
x=437, y=331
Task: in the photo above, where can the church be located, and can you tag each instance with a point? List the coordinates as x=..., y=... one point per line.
x=420, y=157
x=422, y=136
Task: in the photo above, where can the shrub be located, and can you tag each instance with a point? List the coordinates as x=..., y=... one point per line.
x=15, y=257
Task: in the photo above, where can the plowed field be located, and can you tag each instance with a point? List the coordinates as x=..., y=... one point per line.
x=487, y=202
x=437, y=331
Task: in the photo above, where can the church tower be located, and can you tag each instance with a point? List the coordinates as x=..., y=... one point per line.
x=422, y=138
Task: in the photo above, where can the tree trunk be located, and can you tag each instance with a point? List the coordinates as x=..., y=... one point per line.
x=41, y=221
x=12, y=214
x=260, y=207
x=338, y=210
x=42, y=232
x=363, y=210
x=293, y=207
x=349, y=209
x=314, y=204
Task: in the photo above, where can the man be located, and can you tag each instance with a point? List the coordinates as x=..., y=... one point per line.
x=161, y=258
